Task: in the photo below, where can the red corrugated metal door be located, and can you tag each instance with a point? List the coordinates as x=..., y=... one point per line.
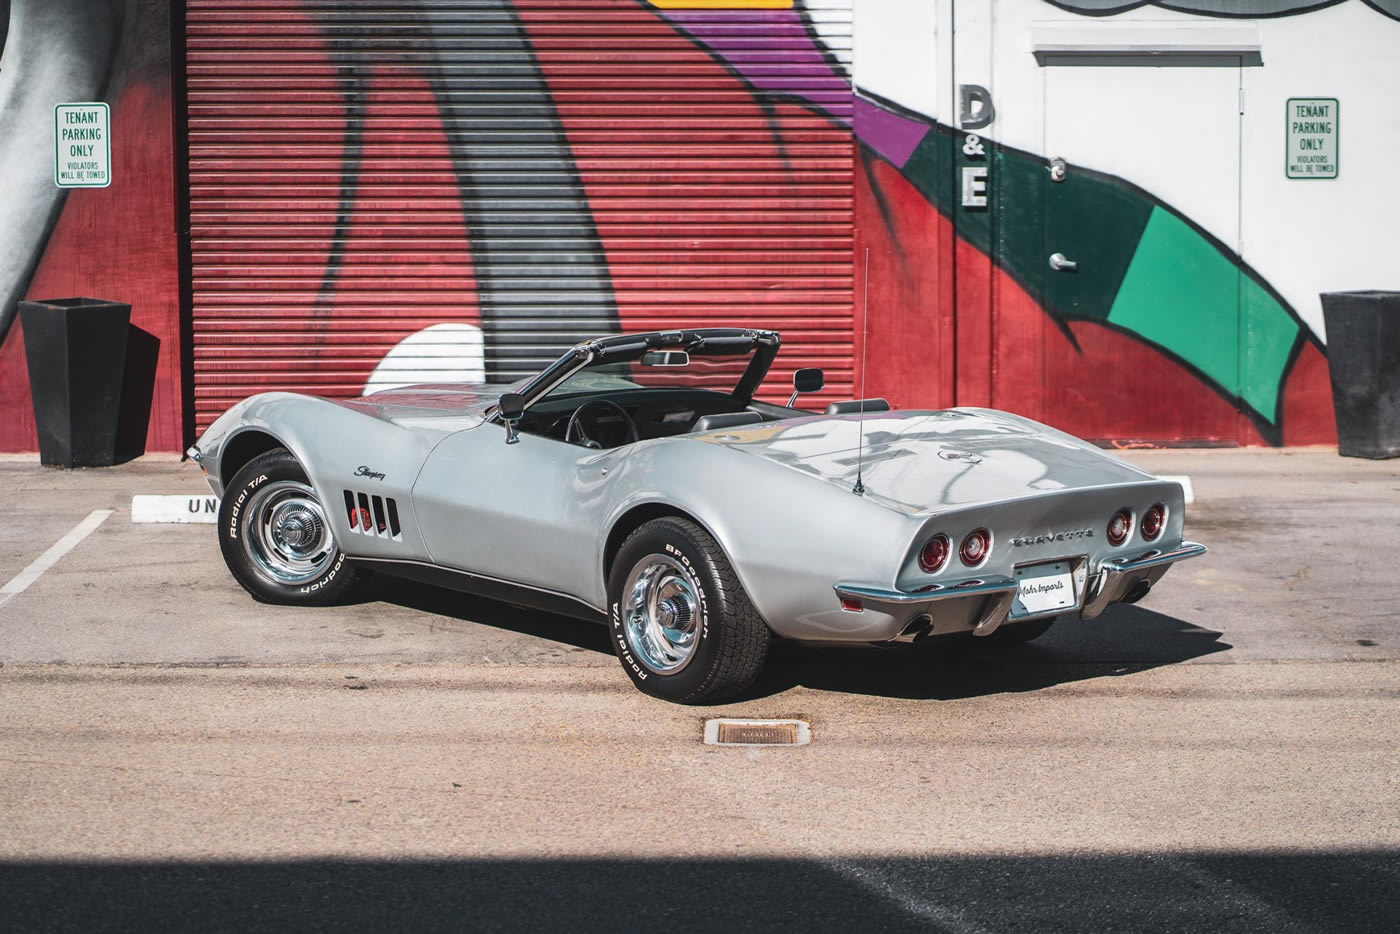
x=384, y=193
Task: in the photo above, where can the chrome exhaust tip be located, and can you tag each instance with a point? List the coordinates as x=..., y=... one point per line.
x=919, y=628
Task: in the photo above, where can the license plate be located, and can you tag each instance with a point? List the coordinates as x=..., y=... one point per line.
x=1041, y=588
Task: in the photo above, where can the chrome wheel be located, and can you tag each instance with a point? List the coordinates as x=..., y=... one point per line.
x=664, y=613
x=285, y=533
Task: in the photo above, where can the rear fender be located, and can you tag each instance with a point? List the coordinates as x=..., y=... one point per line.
x=789, y=538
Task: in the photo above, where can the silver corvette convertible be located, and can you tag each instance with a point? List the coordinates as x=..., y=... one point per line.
x=637, y=481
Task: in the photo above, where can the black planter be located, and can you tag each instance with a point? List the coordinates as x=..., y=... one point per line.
x=76, y=351
x=1363, y=355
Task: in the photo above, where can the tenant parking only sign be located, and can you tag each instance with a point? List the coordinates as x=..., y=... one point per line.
x=82, y=146
x=1312, y=137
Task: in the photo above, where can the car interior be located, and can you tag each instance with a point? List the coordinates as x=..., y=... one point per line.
x=600, y=408
x=610, y=419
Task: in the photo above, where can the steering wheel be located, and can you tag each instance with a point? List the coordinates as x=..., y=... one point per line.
x=575, y=434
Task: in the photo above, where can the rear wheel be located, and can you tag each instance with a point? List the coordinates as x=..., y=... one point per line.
x=276, y=538
x=681, y=623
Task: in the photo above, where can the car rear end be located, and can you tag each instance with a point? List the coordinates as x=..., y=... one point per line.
x=980, y=567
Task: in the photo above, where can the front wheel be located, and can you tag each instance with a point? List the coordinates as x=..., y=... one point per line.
x=276, y=538
x=681, y=623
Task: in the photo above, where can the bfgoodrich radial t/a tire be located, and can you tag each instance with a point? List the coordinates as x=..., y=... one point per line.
x=680, y=621
x=276, y=538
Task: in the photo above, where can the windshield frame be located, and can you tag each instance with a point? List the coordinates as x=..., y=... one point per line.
x=762, y=345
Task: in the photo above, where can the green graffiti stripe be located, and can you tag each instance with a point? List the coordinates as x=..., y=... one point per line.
x=1270, y=334
x=1181, y=294
x=1185, y=296
x=1142, y=268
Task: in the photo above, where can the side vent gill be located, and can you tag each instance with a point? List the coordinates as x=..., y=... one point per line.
x=373, y=515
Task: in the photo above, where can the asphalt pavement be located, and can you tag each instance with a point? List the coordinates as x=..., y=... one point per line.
x=1223, y=756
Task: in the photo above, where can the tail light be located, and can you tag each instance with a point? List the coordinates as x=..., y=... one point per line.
x=935, y=553
x=1119, y=527
x=1152, y=522
x=975, y=547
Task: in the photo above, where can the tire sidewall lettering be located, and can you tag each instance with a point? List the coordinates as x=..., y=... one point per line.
x=238, y=504
x=624, y=650
x=700, y=589
x=325, y=581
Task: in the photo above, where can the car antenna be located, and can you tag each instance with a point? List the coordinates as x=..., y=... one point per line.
x=859, y=488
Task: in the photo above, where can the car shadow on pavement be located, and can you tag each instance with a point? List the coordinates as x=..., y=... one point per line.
x=1124, y=640
x=471, y=609
x=1303, y=890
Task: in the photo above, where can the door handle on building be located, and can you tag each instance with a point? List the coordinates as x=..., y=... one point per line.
x=1060, y=264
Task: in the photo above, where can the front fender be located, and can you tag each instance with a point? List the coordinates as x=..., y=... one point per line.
x=341, y=450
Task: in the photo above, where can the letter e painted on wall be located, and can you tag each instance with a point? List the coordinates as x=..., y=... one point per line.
x=974, y=186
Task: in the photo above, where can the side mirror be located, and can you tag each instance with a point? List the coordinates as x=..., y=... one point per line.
x=511, y=408
x=811, y=379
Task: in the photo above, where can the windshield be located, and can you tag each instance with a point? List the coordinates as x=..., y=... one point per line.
x=716, y=373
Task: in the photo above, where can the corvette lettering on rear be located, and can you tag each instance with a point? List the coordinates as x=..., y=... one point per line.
x=1048, y=537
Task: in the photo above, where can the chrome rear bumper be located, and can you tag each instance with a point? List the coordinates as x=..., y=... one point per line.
x=1117, y=575
x=1114, y=580
x=999, y=591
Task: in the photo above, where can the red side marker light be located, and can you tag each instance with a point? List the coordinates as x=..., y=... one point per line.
x=1119, y=527
x=852, y=604
x=1152, y=522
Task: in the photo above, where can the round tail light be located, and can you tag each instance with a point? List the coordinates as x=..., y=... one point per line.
x=935, y=553
x=1152, y=522
x=1119, y=526
x=975, y=547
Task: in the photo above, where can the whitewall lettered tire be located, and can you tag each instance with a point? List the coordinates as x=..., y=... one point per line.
x=679, y=620
x=276, y=538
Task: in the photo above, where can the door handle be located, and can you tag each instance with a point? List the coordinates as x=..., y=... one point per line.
x=1060, y=264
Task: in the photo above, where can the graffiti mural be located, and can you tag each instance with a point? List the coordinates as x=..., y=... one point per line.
x=451, y=195
x=116, y=243
x=1241, y=8
x=436, y=196
x=52, y=51
x=1133, y=289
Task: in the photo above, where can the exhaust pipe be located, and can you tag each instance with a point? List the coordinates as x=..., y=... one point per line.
x=1137, y=592
x=918, y=628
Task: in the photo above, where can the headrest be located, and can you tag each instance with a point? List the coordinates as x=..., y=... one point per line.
x=853, y=406
x=725, y=420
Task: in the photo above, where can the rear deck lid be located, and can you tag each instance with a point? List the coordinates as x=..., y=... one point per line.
x=922, y=461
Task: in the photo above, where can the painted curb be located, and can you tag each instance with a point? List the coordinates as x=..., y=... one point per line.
x=177, y=508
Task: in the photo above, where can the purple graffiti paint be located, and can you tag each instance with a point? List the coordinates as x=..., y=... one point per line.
x=773, y=51
x=890, y=134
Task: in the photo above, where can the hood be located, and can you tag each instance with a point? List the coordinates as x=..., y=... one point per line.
x=918, y=462
x=431, y=406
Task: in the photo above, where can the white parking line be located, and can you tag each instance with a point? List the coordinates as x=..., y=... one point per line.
x=21, y=581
